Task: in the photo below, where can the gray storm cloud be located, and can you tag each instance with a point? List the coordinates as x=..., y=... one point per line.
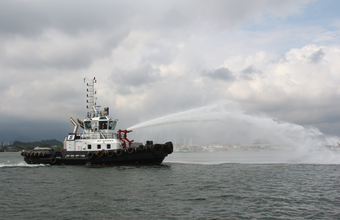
x=155, y=58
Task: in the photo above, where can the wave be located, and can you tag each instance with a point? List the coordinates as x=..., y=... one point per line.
x=21, y=164
x=269, y=157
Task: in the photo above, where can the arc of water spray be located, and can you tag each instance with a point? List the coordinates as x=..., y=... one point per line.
x=278, y=131
x=202, y=114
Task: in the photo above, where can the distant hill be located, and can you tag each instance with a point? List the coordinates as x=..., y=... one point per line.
x=37, y=143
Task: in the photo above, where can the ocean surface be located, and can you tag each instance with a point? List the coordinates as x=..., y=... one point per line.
x=232, y=185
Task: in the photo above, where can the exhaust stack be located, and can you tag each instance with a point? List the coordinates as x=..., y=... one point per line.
x=80, y=123
x=75, y=125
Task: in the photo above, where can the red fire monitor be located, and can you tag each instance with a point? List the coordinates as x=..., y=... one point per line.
x=124, y=138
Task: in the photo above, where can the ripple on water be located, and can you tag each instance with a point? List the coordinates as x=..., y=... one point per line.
x=173, y=191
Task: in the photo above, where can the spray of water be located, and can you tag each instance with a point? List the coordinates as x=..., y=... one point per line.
x=215, y=112
x=227, y=123
x=11, y=164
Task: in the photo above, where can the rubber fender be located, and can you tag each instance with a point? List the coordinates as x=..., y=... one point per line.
x=169, y=148
x=119, y=152
x=141, y=148
x=90, y=155
x=110, y=153
x=100, y=153
x=130, y=150
x=53, y=160
x=157, y=149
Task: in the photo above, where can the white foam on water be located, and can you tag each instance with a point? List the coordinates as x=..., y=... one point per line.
x=20, y=164
x=264, y=157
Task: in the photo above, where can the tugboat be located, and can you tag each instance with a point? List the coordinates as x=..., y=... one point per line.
x=99, y=144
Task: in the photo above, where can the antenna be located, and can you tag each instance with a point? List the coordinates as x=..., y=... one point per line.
x=90, y=92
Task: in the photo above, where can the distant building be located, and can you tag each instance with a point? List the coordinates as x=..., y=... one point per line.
x=4, y=143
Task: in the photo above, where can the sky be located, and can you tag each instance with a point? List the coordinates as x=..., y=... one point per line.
x=241, y=60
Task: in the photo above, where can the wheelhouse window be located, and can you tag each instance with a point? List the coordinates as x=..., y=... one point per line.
x=112, y=125
x=99, y=146
x=108, y=146
x=102, y=125
x=87, y=125
x=89, y=146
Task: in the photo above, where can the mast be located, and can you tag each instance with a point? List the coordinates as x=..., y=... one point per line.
x=91, y=98
x=91, y=93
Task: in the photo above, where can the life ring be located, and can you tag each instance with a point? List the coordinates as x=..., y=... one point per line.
x=89, y=155
x=100, y=153
x=53, y=160
x=110, y=153
x=169, y=148
x=157, y=149
x=130, y=150
x=141, y=148
x=119, y=152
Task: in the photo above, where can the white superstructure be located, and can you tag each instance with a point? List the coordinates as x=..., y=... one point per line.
x=98, y=128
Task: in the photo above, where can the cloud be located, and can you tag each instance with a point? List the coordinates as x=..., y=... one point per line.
x=221, y=74
x=36, y=16
x=32, y=18
x=248, y=72
x=144, y=75
x=292, y=90
x=154, y=58
x=317, y=56
x=55, y=49
x=296, y=86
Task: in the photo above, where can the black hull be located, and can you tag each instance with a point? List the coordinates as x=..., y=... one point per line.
x=143, y=155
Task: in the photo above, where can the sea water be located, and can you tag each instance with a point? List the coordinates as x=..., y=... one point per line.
x=186, y=186
x=300, y=181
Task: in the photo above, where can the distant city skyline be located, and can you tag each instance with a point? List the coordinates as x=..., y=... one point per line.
x=4, y=143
